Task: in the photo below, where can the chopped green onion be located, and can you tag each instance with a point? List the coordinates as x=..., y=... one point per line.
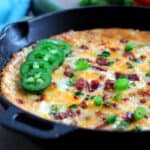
x=121, y=84
x=130, y=46
x=71, y=75
x=70, y=83
x=137, y=128
x=54, y=109
x=147, y=74
x=110, y=63
x=118, y=96
x=78, y=93
x=109, y=103
x=98, y=100
x=131, y=66
x=139, y=113
x=88, y=97
x=111, y=118
x=136, y=60
x=82, y=65
x=133, y=84
x=104, y=54
x=123, y=125
x=73, y=106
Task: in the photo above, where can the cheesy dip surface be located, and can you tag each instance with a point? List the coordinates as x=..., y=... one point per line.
x=104, y=83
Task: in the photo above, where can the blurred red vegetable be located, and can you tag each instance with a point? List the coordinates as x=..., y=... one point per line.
x=141, y=2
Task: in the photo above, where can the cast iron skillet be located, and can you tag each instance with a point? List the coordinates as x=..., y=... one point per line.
x=18, y=35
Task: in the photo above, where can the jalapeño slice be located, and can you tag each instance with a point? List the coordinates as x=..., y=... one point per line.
x=35, y=64
x=60, y=56
x=60, y=44
x=44, y=45
x=36, y=80
x=66, y=47
x=41, y=54
x=53, y=57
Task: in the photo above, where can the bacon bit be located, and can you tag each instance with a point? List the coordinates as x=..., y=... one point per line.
x=101, y=61
x=118, y=75
x=124, y=41
x=128, y=116
x=89, y=60
x=71, y=113
x=129, y=65
x=101, y=126
x=67, y=74
x=40, y=99
x=106, y=105
x=67, y=71
x=114, y=49
x=94, y=85
x=83, y=104
x=143, y=57
x=133, y=77
x=125, y=99
x=102, y=77
x=144, y=92
x=80, y=84
x=143, y=101
x=100, y=115
x=129, y=55
x=109, y=84
x=53, y=85
x=61, y=116
x=115, y=105
x=64, y=115
x=105, y=97
x=99, y=68
x=78, y=112
x=20, y=101
x=84, y=47
x=75, y=97
x=88, y=86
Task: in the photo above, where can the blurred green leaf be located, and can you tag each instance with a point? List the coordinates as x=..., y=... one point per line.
x=100, y=2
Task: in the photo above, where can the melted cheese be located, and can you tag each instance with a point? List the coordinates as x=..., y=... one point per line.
x=62, y=94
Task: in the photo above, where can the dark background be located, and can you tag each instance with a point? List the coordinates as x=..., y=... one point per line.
x=13, y=141
x=10, y=140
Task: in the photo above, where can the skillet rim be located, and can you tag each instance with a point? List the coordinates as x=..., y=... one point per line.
x=9, y=104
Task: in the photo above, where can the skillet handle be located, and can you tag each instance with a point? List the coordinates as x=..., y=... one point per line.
x=30, y=125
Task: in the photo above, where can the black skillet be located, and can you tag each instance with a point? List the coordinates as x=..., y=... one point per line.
x=18, y=35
